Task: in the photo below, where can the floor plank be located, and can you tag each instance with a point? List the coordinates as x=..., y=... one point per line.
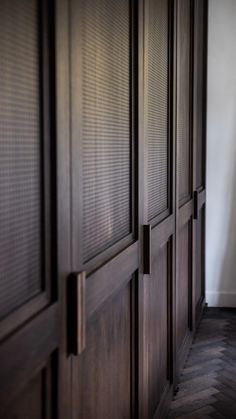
x=207, y=387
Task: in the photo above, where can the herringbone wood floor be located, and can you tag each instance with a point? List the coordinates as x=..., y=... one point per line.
x=208, y=382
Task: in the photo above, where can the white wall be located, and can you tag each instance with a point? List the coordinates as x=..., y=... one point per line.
x=221, y=155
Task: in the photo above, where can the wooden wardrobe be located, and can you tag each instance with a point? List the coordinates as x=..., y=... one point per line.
x=102, y=204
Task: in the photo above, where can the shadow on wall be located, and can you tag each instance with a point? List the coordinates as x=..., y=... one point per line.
x=227, y=280
x=221, y=216
x=221, y=156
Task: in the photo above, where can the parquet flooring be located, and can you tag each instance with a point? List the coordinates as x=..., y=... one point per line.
x=207, y=387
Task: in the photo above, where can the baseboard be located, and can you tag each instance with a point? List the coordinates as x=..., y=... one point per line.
x=221, y=299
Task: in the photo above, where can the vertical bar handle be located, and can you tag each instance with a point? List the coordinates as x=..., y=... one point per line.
x=196, y=205
x=147, y=254
x=77, y=313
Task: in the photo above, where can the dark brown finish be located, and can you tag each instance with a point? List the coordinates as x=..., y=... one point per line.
x=141, y=363
x=16, y=365
x=156, y=107
x=21, y=270
x=159, y=175
x=199, y=201
x=29, y=404
x=183, y=319
x=41, y=387
x=110, y=277
x=200, y=260
x=190, y=197
x=184, y=192
x=77, y=313
x=63, y=373
x=196, y=205
x=199, y=130
x=157, y=328
x=207, y=385
x=25, y=220
x=161, y=233
x=147, y=252
x=199, y=140
x=103, y=44
x=102, y=137
x=104, y=370
x=183, y=122
x=102, y=134
x=30, y=330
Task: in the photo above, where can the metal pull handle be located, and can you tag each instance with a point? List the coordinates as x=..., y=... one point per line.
x=147, y=254
x=196, y=205
x=77, y=313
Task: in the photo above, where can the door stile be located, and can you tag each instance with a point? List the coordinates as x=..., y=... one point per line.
x=142, y=355
x=63, y=201
x=172, y=129
x=184, y=207
x=158, y=215
x=199, y=136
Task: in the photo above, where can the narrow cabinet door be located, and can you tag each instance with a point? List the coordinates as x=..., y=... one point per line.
x=29, y=309
x=199, y=138
x=105, y=254
x=184, y=169
x=158, y=216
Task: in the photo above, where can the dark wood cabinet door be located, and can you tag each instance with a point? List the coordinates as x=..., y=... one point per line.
x=102, y=210
x=184, y=171
x=158, y=206
x=191, y=34
x=104, y=206
x=29, y=309
x=199, y=138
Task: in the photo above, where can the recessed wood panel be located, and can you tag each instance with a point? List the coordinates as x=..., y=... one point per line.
x=28, y=404
x=105, y=128
x=183, y=283
x=36, y=400
x=200, y=256
x=156, y=81
x=158, y=332
x=105, y=366
x=183, y=98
